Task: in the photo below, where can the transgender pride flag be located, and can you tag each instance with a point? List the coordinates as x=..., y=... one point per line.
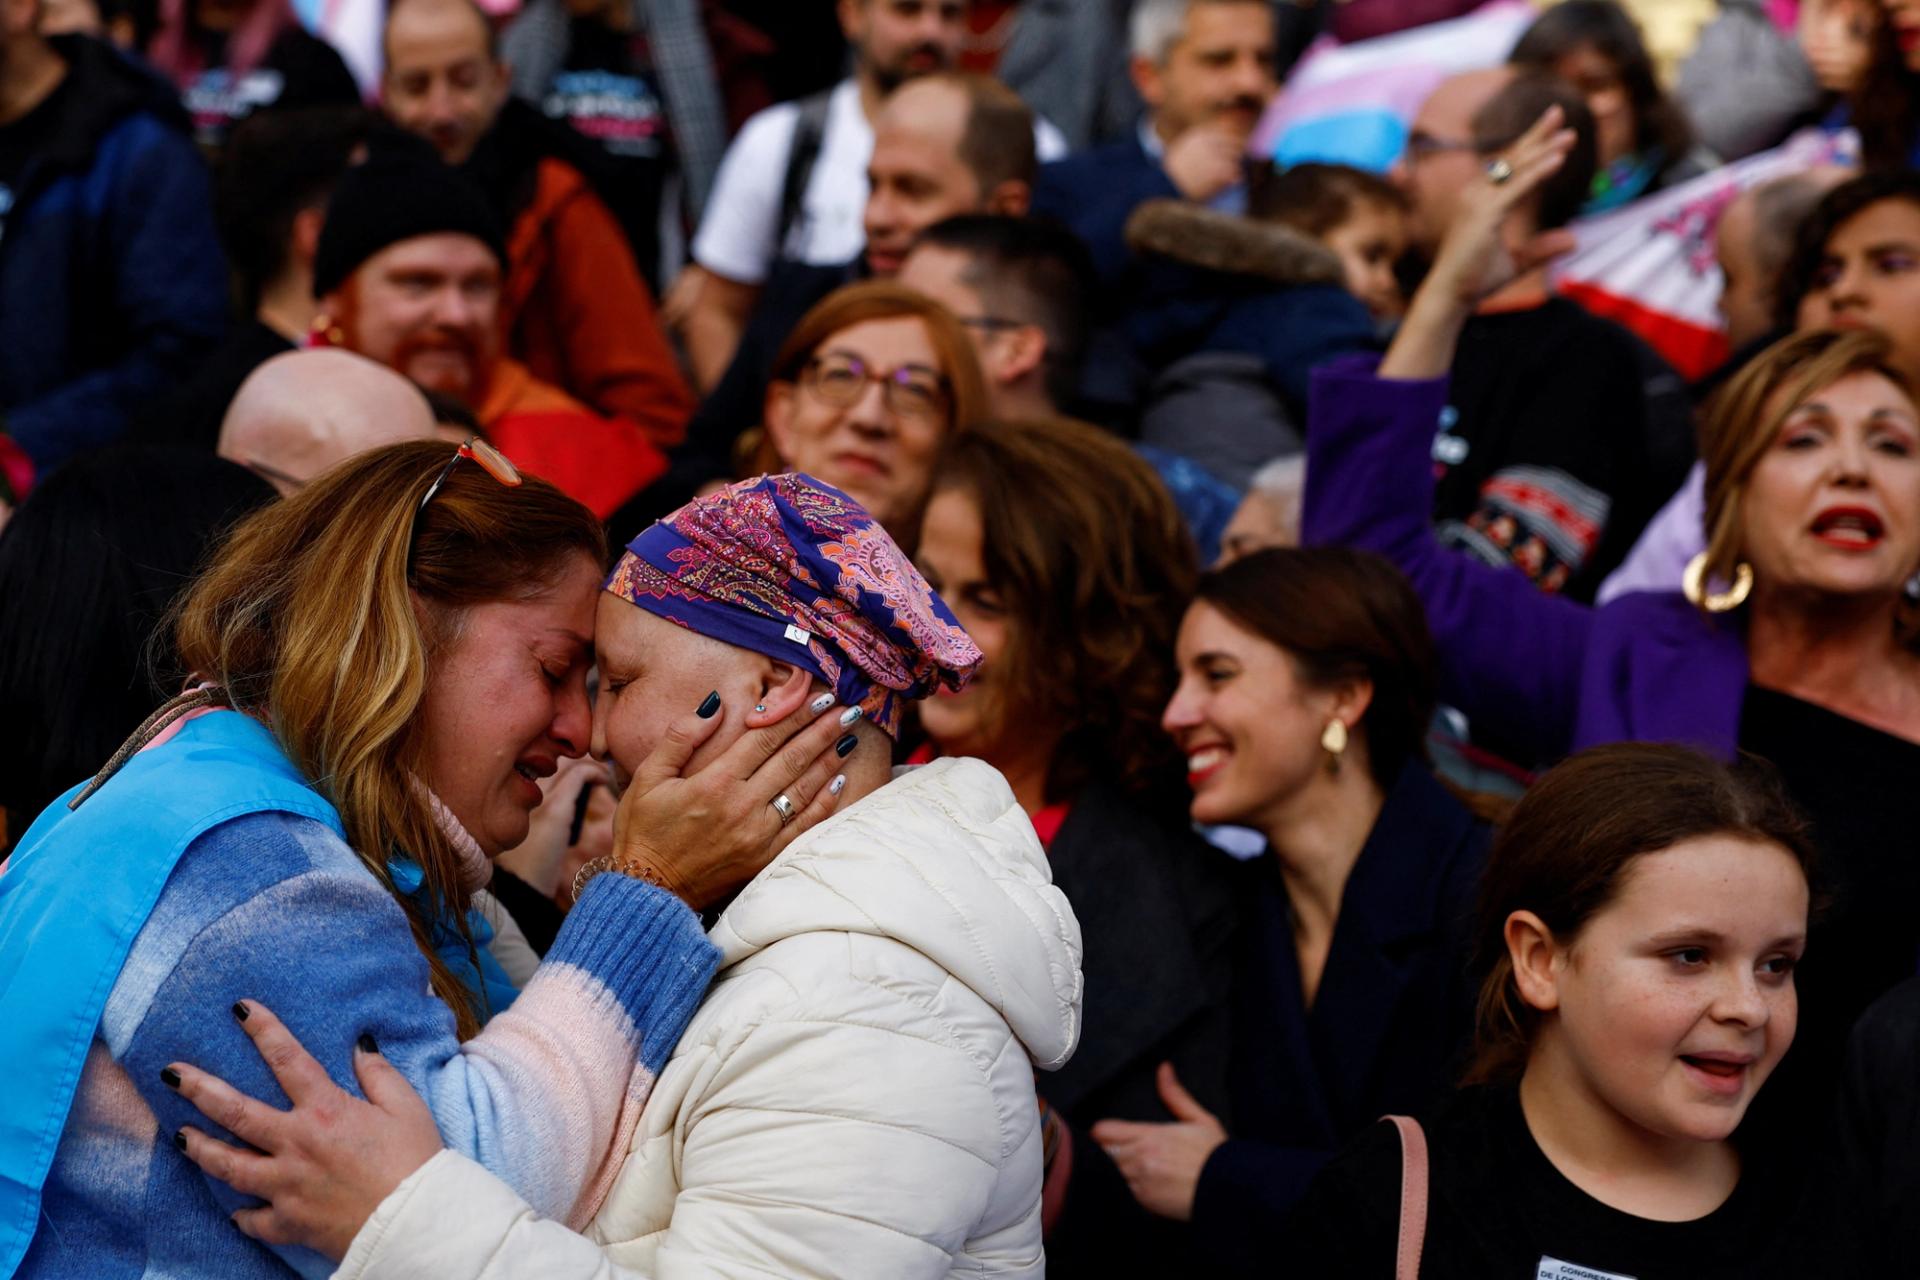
x=1351, y=104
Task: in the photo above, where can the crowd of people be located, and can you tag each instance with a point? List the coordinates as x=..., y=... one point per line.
x=659, y=639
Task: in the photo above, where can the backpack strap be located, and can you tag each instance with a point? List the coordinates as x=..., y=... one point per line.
x=1413, y=1196
x=808, y=133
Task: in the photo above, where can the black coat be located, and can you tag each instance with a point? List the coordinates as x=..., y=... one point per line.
x=1156, y=923
x=1387, y=1031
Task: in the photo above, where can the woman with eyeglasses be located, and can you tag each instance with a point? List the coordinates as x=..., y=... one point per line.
x=869, y=386
x=387, y=663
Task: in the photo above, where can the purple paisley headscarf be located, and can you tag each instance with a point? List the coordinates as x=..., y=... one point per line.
x=794, y=569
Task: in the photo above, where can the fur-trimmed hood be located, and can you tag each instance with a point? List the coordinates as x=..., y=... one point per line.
x=1231, y=245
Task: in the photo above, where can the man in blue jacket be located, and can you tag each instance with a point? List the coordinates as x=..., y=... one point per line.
x=1205, y=69
x=112, y=283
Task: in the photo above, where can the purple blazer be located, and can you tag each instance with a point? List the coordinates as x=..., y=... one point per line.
x=1541, y=672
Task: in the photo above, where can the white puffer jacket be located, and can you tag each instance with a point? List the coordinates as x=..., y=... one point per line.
x=854, y=1098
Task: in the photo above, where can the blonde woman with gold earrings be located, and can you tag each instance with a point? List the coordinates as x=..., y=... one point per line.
x=1305, y=688
x=1796, y=640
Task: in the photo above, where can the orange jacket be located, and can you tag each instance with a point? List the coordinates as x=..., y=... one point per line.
x=576, y=312
x=600, y=462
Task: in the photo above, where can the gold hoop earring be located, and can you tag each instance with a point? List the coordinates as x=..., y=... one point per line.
x=1333, y=739
x=1693, y=584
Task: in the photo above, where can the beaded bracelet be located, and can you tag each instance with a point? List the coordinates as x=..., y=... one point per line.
x=637, y=870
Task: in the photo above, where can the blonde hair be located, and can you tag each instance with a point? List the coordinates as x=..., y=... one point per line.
x=308, y=619
x=1739, y=429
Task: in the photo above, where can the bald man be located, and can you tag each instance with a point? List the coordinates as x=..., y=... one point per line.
x=303, y=412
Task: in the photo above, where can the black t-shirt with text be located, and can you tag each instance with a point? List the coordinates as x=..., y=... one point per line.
x=1562, y=436
x=300, y=70
x=607, y=91
x=1498, y=1209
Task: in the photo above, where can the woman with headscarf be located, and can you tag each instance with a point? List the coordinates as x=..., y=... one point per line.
x=856, y=1095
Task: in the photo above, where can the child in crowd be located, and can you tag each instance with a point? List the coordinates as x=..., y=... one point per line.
x=1640, y=919
x=1360, y=216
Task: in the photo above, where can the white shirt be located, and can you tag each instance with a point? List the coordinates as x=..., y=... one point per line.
x=736, y=237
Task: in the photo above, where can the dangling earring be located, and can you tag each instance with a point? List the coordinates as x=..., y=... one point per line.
x=1693, y=585
x=323, y=332
x=1333, y=740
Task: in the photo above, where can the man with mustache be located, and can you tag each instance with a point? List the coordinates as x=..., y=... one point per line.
x=408, y=272
x=1205, y=69
x=794, y=182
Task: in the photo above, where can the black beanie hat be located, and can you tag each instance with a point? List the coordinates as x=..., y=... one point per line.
x=397, y=194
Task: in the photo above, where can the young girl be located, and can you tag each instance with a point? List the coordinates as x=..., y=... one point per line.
x=1640, y=920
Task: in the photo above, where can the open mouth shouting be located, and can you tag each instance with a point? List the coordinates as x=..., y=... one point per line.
x=1849, y=528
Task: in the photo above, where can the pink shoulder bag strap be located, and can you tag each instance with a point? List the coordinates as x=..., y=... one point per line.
x=1413, y=1197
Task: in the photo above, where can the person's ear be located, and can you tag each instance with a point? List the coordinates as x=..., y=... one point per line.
x=1011, y=198
x=502, y=82
x=1147, y=78
x=1351, y=698
x=1535, y=958
x=306, y=234
x=777, y=417
x=1023, y=352
x=780, y=690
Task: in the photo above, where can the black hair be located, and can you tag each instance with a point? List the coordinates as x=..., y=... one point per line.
x=449, y=412
x=1886, y=106
x=1036, y=270
x=88, y=566
x=276, y=165
x=1609, y=30
x=1840, y=206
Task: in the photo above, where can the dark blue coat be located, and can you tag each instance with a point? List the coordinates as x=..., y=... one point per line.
x=1389, y=1025
x=1095, y=192
x=112, y=280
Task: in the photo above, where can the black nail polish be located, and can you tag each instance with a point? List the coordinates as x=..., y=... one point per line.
x=180, y=1139
x=710, y=706
x=846, y=745
x=240, y=1010
x=169, y=1077
x=367, y=1044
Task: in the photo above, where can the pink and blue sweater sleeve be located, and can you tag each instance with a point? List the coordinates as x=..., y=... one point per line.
x=276, y=909
x=1511, y=657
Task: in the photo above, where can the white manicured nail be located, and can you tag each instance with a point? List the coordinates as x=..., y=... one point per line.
x=850, y=715
x=820, y=703
x=838, y=784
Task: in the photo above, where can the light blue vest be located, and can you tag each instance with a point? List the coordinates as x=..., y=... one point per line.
x=76, y=893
